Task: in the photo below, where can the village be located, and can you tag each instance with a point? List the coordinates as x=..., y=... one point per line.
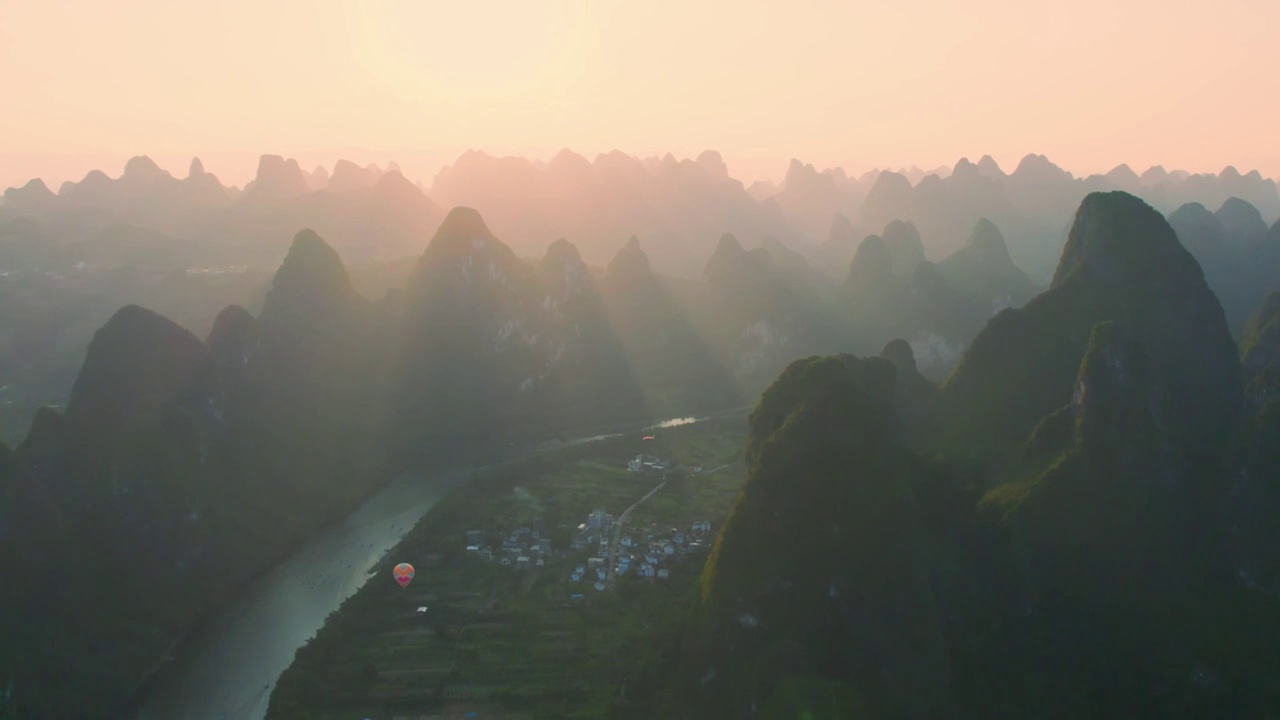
x=601, y=549
x=542, y=585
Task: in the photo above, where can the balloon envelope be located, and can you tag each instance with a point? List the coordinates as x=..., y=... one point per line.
x=647, y=437
x=403, y=573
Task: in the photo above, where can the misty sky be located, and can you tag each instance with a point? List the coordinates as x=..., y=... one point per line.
x=1090, y=83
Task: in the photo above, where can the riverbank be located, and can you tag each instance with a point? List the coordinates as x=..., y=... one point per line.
x=193, y=677
x=535, y=642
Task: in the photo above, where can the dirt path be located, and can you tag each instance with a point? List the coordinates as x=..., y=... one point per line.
x=617, y=532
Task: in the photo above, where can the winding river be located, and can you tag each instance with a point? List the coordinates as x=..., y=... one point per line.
x=227, y=671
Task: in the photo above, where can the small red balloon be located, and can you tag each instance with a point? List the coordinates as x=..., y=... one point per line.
x=403, y=573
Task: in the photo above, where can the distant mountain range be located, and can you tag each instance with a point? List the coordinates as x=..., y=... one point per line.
x=147, y=216
x=163, y=477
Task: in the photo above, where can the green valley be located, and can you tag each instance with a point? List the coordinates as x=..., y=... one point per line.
x=510, y=639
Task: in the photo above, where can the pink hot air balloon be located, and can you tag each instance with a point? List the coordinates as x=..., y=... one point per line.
x=403, y=573
x=647, y=437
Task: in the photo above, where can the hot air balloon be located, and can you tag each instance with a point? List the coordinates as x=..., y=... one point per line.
x=647, y=437
x=403, y=573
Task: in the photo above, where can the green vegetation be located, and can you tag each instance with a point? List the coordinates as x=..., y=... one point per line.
x=1078, y=542
x=1260, y=341
x=1080, y=520
x=813, y=698
x=1122, y=263
x=508, y=643
x=830, y=510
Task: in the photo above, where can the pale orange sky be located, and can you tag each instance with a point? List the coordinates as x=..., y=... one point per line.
x=1090, y=83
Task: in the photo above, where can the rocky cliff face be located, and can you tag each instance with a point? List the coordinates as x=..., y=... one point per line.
x=1122, y=262
x=162, y=483
x=1107, y=537
x=118, y=487
x=1260, y=341
x=488, y=342
x=795, y=561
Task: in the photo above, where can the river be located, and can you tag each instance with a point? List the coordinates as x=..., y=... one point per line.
x=227, y=671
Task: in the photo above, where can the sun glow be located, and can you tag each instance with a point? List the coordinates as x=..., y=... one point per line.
x=453, y=53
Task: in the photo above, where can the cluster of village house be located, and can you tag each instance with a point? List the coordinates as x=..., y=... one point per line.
x=649, y=551
x=522, y=548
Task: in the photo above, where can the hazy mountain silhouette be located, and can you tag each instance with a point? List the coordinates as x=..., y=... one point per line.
x=905, y=245
x=983, y=269
x=1231, y=247
x=666, y=350
x=674, y=204
x=164, y=477
x=810, y=197
x=1033, y=204
x=836, y=251
x=147, y=216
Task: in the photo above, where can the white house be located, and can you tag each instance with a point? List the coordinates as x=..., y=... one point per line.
x=663, y=574
x=599, y=586
x=595, y=562
x=647, y=571
x=522, y=562
x=668, y=549
x=626, y=541
x=601, y=574
x=702, y=526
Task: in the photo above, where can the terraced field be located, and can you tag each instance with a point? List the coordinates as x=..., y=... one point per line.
x=503, y=643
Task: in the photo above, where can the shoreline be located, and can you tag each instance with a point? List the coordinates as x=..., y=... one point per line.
x=558, y=487
x=455, y=473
